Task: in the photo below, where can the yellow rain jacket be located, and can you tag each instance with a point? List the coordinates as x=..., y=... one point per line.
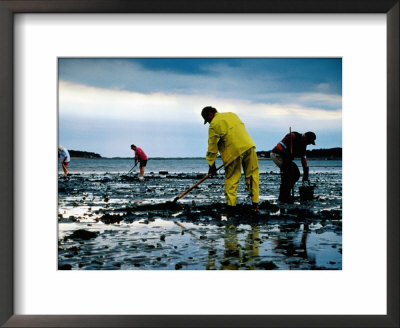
x=227, y=135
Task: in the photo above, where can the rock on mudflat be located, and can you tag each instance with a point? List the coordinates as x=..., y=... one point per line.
x=267, y=265
x=65, y=267
x=82, y=234
x=266, y=205
x=109, y=218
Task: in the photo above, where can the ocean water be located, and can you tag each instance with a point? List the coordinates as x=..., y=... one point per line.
x=192, y=165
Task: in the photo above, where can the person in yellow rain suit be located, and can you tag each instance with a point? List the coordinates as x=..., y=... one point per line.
x=227, y=134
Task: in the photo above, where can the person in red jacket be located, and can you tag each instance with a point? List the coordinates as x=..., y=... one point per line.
x=293, y=145
x=140, y=157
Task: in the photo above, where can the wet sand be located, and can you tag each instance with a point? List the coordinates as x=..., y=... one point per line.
x=114, y=221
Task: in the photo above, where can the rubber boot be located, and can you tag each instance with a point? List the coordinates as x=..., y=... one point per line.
x=230, y=211
x=284, y=194
x=255, y=209
x=285, y=189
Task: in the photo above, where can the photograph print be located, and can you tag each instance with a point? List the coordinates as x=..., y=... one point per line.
x=199, y=164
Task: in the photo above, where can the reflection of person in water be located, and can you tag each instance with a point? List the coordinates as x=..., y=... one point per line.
x=234, y=256
x=292, y=145
x=211, y=260
x=232, y=252
x=253, y=242
x=296, y=244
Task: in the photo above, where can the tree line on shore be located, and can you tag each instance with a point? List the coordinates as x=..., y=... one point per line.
x=327, y=153
x=83, y=154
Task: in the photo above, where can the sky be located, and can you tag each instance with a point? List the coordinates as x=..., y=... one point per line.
x=107, y=104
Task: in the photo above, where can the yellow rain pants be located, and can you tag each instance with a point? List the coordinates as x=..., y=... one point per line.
x=228, y=135
x=247, y=160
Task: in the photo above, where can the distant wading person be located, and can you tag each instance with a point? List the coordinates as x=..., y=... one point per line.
x=140, y=157
x=292, y=145
x=64, y=157
x=227, y=134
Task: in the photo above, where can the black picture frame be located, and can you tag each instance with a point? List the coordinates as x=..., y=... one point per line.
x=10, y=7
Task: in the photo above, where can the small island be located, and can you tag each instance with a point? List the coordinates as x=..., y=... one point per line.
x=83, y=154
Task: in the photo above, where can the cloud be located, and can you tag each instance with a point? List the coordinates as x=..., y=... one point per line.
x=258, y=80
x=85, y=101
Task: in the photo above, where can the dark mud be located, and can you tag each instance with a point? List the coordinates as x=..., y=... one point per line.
x=114, y=222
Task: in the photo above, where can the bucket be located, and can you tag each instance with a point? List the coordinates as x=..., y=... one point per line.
x=306, y=192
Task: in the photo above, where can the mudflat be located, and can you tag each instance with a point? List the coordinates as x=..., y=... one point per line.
x=114, y=221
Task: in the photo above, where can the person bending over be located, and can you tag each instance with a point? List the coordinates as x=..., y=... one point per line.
x=228, y=136
x=140, y=157
x=64, y=157
x=292, y=145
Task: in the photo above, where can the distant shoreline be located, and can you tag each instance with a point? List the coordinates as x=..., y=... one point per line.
x=320, y=154
x=190, y=158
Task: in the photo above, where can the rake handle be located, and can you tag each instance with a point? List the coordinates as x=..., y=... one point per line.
x=195, y=185
x=131, y=169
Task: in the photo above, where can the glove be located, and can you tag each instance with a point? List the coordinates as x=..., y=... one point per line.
x=212, y=170
x=305, y=173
